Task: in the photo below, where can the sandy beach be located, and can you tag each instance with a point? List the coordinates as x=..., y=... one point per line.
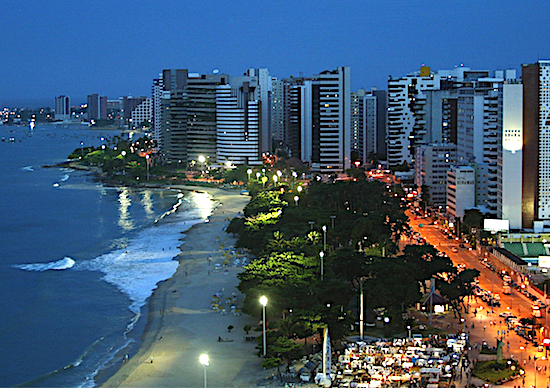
x=181, y=323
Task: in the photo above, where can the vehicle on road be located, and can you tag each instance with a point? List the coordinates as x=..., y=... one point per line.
x=455, y=250
x=507, y=314
x=506, y=289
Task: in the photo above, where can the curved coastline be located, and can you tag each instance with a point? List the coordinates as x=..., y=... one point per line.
x=180, y=323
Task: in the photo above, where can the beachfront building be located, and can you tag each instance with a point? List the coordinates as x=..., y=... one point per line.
x=238, y=122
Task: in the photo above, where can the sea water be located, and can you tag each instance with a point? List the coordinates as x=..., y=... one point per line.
x=78, y=260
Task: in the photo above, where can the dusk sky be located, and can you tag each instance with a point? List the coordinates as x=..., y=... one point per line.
x=116, y=48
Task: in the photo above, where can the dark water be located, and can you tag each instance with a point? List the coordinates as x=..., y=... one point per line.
x=77, y=260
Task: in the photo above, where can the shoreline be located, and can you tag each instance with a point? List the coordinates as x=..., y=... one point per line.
x=180, y=321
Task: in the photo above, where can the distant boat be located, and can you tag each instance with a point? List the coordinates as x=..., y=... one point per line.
x=32, y=124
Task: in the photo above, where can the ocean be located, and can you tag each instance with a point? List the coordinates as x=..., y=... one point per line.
x=78, y=259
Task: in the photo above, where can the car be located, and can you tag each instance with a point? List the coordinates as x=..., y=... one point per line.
x=455, y=250
x=506, y=314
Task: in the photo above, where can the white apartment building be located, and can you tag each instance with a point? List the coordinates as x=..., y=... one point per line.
x=406, y=122
x=238, y=122
x=432, y=162
x=142, y=114
x=331, y=121
x=461, y=186
x=512, y=154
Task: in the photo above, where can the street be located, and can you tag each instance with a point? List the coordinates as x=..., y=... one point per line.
x=488, y=325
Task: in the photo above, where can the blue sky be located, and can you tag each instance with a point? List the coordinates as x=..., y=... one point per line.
x=115, y=47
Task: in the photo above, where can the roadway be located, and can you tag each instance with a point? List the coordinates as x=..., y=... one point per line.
x=488, y=324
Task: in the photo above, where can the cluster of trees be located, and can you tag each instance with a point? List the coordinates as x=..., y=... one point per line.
x=357, y=225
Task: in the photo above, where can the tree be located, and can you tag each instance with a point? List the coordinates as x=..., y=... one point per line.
x=287, y=349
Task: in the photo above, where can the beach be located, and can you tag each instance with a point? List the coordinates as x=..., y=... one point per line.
x=181, y=323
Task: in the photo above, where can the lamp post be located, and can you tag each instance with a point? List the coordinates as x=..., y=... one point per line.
x=300, y=188
x=275, y=179
x=311, y=223
x=263, y=302
x=324, y=237
x=409, y=329
x=82, y=150
x=322, y=255
x=249, y=171
x=258, y=174
x=201, y=160
x=147, y=164
x=332, y=221
x=204, y=361
x=123, y=153
x=296, y=199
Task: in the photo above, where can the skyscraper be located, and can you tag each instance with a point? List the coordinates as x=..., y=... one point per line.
x=238, y=122
x=62, y=108
x=331, y=121
x=536, y=144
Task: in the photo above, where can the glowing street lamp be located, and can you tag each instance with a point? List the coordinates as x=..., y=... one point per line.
x=296, y=199
x=275, y=179
x=300, y=188
x=249, y=171
x=258, y=174
x=263, y=302
x=204, y=361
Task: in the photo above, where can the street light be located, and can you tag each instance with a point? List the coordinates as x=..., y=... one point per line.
x=296, y=199
x=123, y=153
x=409, y=329
x=263, y=302
x=275, y=179
x=324, y=237
x=204, y=361
x=322, y=255
x=258, y=174
x=332, y=220
x=300, y=188
x=249, y=171
x=311, y=223
x=147, y=164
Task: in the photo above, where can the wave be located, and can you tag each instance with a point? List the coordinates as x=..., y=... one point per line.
x=64, y=177
x=58, y=265
x=27, y=168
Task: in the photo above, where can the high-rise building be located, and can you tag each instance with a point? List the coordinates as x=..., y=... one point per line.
x=63, y=108
x=263, y=92
x=357, y=123
x=93, y=107
x=432, y=162
x=536, y=145
x=331, y=121
x=142, y=114
x=406, y=123
x=238, y=117
x=278, y=111
x=201, y=114
x=97, y=107
x=510, y=163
